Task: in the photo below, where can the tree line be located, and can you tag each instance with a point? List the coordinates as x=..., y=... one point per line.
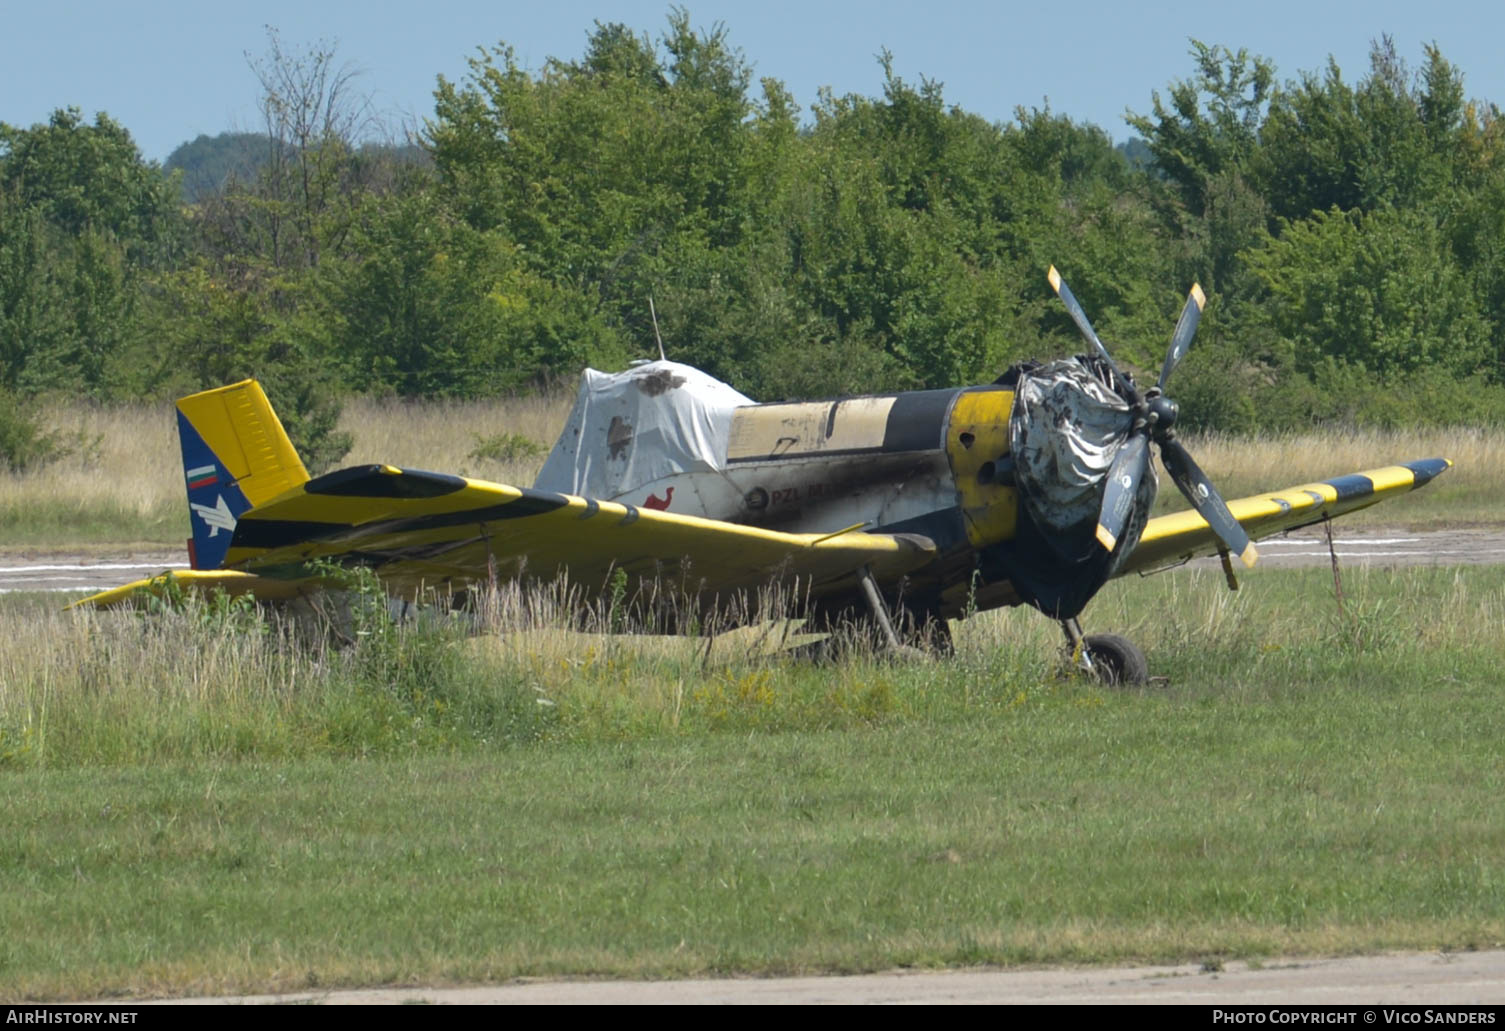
x=1349, y=235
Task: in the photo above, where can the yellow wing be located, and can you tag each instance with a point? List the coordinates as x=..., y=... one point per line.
x=1184, y=535
x=429, y=531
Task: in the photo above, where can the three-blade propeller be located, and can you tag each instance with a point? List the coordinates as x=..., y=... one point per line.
x=1154, y=419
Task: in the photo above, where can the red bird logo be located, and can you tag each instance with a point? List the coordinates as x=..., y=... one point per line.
x=660, y=503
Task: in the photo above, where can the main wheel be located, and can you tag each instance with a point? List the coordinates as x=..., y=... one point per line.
x=926, y=630
x=1116, y=660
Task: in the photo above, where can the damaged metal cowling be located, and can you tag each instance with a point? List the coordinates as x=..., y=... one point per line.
x=1068, y=423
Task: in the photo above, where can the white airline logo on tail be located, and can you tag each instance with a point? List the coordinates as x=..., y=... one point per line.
x=218, y=518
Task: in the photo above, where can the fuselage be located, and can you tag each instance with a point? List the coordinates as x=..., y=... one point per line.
x=934, y=463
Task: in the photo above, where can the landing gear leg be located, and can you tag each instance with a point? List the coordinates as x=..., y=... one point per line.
x=1112, y=658
x=1075, y=647
x=880, y=614
x=880, y=610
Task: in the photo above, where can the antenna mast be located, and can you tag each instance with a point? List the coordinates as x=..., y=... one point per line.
x=656, y=336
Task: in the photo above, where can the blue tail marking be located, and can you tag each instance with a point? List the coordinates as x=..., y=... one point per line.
x=215, y=502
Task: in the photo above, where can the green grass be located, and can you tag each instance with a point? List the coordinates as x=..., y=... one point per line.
x=1307, y=782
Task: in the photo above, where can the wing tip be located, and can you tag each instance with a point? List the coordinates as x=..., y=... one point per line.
x=1428, y=469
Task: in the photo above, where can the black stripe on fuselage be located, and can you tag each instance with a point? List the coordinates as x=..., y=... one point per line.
x=280, y=533
x=917, y=420
x=799, y=456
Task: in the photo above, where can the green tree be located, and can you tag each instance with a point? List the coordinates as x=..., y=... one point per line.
x=1079, y=155
x=1211, y=125
x=91, y=178
x=207, y=164
x=614, y=175
x=212, y=324
x=84, y=222
x=259, y=297
x=31, y=293
x=1379, y=292
x=1382, y=143
x=436, y=307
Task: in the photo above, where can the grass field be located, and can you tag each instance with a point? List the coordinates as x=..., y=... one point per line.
x=206, y=801
x=123, y=483
x=198, y=804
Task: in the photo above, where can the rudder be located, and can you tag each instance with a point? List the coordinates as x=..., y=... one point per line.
x=236, y=456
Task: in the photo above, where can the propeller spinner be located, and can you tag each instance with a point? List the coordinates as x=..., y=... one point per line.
x=1154, y=419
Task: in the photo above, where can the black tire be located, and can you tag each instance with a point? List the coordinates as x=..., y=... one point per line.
x=1116, y=660
x=926, y=630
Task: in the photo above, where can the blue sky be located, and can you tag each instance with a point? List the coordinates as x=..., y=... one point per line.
x=168, y=71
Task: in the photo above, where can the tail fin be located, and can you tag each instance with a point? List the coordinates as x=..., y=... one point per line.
x=235, y=456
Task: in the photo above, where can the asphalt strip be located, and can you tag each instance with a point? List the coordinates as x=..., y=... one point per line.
x=1364, y=982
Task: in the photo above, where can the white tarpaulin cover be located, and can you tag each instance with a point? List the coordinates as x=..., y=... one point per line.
x=628, y=429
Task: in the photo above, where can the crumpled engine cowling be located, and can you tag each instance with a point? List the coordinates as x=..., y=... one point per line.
x=1064, y=432
x=1066, y=427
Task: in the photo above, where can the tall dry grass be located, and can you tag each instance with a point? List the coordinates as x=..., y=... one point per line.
x=222, y=681
x=122, y=480
x=118, y=479
x=1468, y=494
x=441, y=435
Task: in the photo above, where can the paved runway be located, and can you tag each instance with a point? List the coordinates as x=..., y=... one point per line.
x=1395, y=548
x=1362, y=982
x=65, y=572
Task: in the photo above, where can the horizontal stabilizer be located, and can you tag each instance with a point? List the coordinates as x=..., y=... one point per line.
x=193, y=581
x=421, y=531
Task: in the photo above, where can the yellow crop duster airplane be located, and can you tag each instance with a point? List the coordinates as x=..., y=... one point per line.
x=1032, y=490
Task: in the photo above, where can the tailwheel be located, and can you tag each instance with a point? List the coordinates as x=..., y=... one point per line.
x=1116, y=660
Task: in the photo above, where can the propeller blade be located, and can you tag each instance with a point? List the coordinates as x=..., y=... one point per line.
x=1125, y=386
x=1129, y=467
x=1205, y=498
x=1186, y=328
x=1074, y=309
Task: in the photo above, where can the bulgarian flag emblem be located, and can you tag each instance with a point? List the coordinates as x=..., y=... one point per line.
x=203, y=476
